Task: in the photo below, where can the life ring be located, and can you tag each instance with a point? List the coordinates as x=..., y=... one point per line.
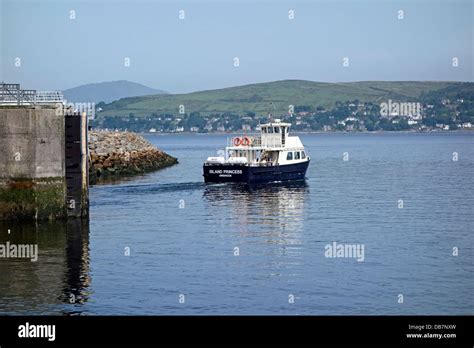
x=237, y=142
x=245, y=141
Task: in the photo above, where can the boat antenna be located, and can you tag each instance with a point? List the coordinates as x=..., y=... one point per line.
x=270, y=115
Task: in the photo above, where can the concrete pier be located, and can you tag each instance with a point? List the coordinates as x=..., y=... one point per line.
x=33, y=183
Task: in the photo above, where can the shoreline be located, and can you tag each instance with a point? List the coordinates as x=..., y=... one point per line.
x=458, y=131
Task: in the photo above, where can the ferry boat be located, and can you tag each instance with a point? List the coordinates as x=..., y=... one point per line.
x=272, y=156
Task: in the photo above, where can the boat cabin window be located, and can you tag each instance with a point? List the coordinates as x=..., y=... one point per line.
x=289, y=156
x=297, y=155
x=264, y=129
x=303, y=155
x=277, y=129
x=270, y=130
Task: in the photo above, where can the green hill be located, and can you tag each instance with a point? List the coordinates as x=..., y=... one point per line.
x=258, y=97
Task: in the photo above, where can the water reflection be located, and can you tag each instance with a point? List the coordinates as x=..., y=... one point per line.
x=274, y=213
x=58, y=282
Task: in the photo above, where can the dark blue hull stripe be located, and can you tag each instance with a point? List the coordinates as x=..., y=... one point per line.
x=245, y=174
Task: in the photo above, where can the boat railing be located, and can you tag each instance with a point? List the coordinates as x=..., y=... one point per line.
x=262, y=164
x=253, y=141
x=271, y=142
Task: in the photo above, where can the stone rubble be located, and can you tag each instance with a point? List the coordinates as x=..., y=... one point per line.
x=116, y=154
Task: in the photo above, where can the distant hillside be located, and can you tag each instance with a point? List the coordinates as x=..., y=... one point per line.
x=108, y=91
x=355, y=106
x=259, y=98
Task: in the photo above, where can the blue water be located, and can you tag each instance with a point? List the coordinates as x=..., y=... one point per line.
x=182, y=236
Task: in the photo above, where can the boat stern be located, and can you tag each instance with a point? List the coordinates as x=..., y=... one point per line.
x=225, y=173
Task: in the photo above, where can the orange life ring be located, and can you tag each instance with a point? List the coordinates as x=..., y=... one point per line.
x=245, y=141
x=237, y=142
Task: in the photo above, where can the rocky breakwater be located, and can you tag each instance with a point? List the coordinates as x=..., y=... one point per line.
x=117, y=154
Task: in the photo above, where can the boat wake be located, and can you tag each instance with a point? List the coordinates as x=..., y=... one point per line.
x=155, y=188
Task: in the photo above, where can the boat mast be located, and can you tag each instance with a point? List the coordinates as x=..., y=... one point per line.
x=270, y=115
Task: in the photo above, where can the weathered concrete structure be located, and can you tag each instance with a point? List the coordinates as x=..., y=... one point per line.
x=32, y=163
x=77, y=165
x=35, y=165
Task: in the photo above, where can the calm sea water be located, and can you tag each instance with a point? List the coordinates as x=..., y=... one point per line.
x=183, y=237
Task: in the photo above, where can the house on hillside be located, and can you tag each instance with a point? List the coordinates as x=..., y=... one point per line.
x=303, y=113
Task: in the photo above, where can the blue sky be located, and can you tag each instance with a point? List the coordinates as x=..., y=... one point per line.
x=198, y=52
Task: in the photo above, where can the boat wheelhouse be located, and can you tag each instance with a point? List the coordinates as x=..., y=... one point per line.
x=271, y=156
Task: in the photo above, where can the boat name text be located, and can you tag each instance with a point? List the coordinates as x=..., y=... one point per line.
x=225, y=171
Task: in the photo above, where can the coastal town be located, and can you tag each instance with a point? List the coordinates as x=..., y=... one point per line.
x=444, y=114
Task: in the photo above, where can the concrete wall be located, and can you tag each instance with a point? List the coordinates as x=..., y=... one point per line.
x=32, y=163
